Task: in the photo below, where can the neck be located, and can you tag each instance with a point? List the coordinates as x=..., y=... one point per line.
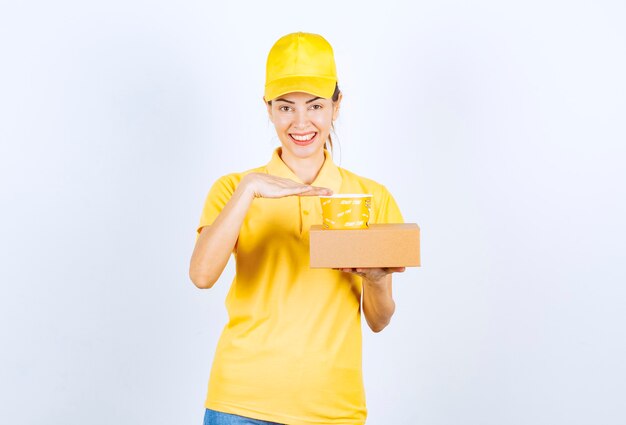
x=306, y=169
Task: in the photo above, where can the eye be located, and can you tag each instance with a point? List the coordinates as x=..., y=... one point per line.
x=317, y=106
x=284, y=108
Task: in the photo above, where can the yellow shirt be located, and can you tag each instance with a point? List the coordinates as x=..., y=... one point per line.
x=291, y=351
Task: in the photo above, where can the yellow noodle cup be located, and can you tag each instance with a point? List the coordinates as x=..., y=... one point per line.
x=346, y=211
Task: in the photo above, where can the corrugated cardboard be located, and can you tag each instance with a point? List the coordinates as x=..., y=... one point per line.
x=381, y=245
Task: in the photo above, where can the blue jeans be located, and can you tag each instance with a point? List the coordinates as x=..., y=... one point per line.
x=212, y=417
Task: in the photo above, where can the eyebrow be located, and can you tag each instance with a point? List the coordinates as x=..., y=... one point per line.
x=293, y=103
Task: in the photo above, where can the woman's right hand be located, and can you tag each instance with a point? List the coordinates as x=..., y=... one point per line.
x=217, y=241
x=267, y=186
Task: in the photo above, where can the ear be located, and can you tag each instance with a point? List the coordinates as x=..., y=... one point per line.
x=269, y=109
x=336, y=106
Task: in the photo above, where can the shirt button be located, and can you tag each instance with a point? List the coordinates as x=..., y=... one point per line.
x=305, y=212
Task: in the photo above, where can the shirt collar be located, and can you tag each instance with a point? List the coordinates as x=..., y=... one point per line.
x=329, y=176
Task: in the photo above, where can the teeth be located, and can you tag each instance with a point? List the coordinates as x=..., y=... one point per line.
x=303, y=138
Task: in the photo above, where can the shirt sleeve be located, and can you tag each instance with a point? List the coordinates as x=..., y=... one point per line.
x=388, y=210
x=219, y=194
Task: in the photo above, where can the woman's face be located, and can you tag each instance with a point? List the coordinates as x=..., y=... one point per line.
x=303, y=122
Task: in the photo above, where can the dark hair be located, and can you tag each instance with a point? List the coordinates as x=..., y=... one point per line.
x=335, y=98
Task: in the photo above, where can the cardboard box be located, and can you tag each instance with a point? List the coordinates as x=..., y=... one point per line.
x=381, y=245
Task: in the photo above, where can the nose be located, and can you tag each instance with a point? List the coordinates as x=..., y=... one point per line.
x=301, y=119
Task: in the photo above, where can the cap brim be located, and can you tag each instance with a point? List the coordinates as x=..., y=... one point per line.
x=317, y=86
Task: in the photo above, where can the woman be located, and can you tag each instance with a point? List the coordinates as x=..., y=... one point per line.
x=291, y=351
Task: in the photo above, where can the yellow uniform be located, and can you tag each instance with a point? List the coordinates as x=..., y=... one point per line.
x=291, y=351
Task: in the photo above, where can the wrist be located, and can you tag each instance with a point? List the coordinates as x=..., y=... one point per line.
x=246, y=186
x=374, y=283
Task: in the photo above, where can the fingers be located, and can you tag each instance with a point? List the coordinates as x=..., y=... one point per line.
x=395, y=269
x=297, y=190
x=359, y=270
x=292, y=187
x=317, y=191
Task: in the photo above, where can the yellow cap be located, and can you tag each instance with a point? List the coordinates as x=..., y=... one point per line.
x=300, y=62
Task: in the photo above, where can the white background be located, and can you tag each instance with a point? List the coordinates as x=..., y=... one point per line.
x=498, y=127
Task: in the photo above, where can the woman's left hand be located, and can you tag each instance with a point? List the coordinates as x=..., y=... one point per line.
x=373, y=274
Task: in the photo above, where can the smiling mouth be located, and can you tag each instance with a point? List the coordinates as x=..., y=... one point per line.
x=304, y=139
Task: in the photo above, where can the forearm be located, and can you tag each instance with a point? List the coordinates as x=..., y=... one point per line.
x=217, y=241
x=378, y=303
